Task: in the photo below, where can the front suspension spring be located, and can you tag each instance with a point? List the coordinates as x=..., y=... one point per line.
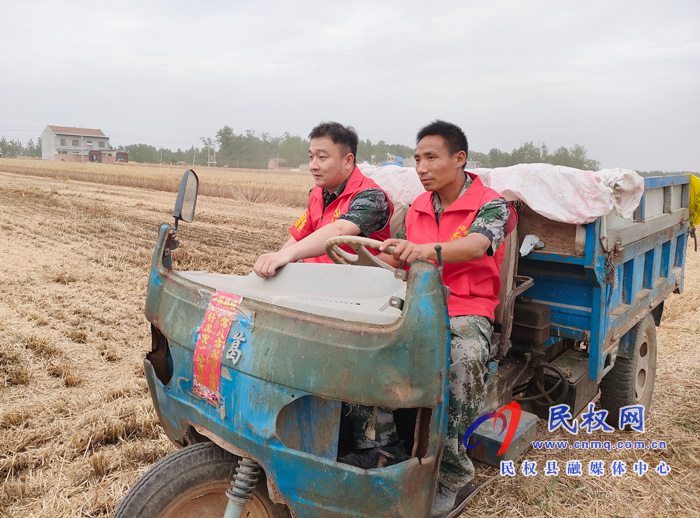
x=245, y=480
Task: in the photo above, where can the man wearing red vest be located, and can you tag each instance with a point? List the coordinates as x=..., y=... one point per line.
x=344, y=202
x=470, y=222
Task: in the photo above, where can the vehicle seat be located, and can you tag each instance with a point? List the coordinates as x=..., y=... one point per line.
x=508, y=268
x=398, y=217
x=512, y=285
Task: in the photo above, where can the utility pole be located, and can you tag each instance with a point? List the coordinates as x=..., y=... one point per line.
x=211, y=152
x=211, y=156
x=194, y=153
x=161, y=156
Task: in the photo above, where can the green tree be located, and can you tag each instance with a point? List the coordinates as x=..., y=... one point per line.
x=143, y=153
x=365, y=150
x=380, y=150
x=33, y=150
x=527, y=153
x=269, y=148
x=295, y=150
x=481, y=158
x=580, y=160
x=252, y=151
x=498, y=158
x=575, y=156
x=10, y=148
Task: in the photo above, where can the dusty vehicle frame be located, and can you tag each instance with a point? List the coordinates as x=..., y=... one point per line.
x=317, y=335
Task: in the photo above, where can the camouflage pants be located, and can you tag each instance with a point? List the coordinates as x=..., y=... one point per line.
x=469, y=351
x=371, y=426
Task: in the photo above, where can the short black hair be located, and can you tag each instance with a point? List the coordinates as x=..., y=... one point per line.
x=342, y=135
x=455, y=139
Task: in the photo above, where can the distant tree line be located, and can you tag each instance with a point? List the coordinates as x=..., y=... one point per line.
x=528, y=153
x=15, y=148
x=253, y=151
x=148, y=154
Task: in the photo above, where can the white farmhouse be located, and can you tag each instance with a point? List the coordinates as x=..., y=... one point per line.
x=68, y=144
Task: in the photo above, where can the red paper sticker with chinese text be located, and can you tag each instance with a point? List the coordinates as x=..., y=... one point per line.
x=211, y=340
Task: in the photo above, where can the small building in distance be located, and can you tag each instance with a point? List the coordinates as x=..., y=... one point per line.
x=68, y=144
x=276, y=163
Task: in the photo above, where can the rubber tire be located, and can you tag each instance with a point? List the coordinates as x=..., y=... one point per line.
x=193, y=470
x=623, y=385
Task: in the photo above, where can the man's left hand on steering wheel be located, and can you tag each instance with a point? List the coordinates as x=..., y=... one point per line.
x=362, y=256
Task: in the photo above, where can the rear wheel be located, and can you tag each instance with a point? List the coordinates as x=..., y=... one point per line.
x=631, y=380
x=192, y=482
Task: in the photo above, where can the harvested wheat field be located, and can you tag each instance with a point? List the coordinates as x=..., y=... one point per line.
x=76, y=424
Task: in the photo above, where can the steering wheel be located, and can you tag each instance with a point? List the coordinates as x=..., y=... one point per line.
x=362, y=256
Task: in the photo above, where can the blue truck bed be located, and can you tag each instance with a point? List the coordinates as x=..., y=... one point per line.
x=600, y=279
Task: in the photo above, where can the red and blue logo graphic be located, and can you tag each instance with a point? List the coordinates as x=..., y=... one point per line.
x=512, y=426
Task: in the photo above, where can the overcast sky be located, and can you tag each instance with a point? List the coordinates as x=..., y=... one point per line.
x=619, y=77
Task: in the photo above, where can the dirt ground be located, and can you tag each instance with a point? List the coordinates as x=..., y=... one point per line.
x=76, y=424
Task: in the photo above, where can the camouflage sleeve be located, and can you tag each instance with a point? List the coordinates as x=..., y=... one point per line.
x=401, y=234
x=369, y=210
x=491, y=221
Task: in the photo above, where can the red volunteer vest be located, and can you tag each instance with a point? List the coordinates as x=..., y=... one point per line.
x=474, y=285
x=315, y=217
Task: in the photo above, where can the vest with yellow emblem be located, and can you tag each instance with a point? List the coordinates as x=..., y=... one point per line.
x=315, y=217
x=474, y=285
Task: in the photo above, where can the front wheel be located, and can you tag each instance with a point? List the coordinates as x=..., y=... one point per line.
x=631, y=380
x=192, y=482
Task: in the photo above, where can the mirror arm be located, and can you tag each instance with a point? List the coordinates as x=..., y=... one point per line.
x=173, y=243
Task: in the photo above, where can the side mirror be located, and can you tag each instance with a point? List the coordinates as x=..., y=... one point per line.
x=186, y=197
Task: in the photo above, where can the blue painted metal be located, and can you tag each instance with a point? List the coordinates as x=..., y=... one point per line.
x=596, y=304
x=641, y=212
x=296, y=367
x=655, y=182
x=280, y=403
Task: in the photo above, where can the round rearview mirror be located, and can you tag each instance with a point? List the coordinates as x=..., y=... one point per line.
x=186, y=197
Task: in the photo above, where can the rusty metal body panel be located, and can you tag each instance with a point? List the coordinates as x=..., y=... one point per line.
x=280, y=401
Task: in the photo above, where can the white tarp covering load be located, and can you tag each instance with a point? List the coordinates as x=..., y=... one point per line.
x=566, y=194
x=400, y=183
x=556, y=192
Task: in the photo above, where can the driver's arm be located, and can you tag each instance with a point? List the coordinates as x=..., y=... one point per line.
x=468, y=248
x=486, y=233
x=311, y=246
